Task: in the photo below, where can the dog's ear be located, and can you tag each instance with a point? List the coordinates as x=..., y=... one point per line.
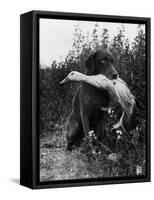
x=90, y=64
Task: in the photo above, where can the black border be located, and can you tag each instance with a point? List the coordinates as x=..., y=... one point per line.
x=25, y=100
x=35, y=99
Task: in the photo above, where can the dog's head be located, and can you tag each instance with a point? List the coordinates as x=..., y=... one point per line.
x=101, y=62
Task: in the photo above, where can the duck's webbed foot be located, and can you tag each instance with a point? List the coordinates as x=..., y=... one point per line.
x=119, y=124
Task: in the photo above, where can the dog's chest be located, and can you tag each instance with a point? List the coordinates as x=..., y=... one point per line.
x=92, y=96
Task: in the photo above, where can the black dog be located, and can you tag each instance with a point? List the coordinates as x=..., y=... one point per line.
x=86, y=114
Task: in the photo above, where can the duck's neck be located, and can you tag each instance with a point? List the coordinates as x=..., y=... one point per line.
x=82, y=78
x=86, y=79
x=92, y=80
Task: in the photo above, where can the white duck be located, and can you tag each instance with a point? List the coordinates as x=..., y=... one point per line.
x=117, y=88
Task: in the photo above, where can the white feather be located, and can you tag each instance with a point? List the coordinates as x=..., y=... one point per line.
x=117, y=88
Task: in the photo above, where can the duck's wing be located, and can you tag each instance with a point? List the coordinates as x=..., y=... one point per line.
x=125, y=97
x=99, y=81
x=122, y=81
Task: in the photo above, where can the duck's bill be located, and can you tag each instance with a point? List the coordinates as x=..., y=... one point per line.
x=64, y=81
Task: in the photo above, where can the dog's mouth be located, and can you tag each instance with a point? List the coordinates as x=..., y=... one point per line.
x=114, y=80
x=115, y=76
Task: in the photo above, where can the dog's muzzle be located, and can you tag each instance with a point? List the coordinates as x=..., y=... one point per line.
x=115, y=76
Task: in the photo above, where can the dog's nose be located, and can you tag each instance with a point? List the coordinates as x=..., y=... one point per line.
x=114, y=76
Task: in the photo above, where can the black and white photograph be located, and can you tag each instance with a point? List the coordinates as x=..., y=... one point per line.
x=93, y=100
x=76, y=100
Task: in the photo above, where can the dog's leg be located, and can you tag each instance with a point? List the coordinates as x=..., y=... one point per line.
x=100, y=128
x=73, y=132
x=85, y=121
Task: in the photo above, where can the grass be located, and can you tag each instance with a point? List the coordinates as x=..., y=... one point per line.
x=118, y=156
